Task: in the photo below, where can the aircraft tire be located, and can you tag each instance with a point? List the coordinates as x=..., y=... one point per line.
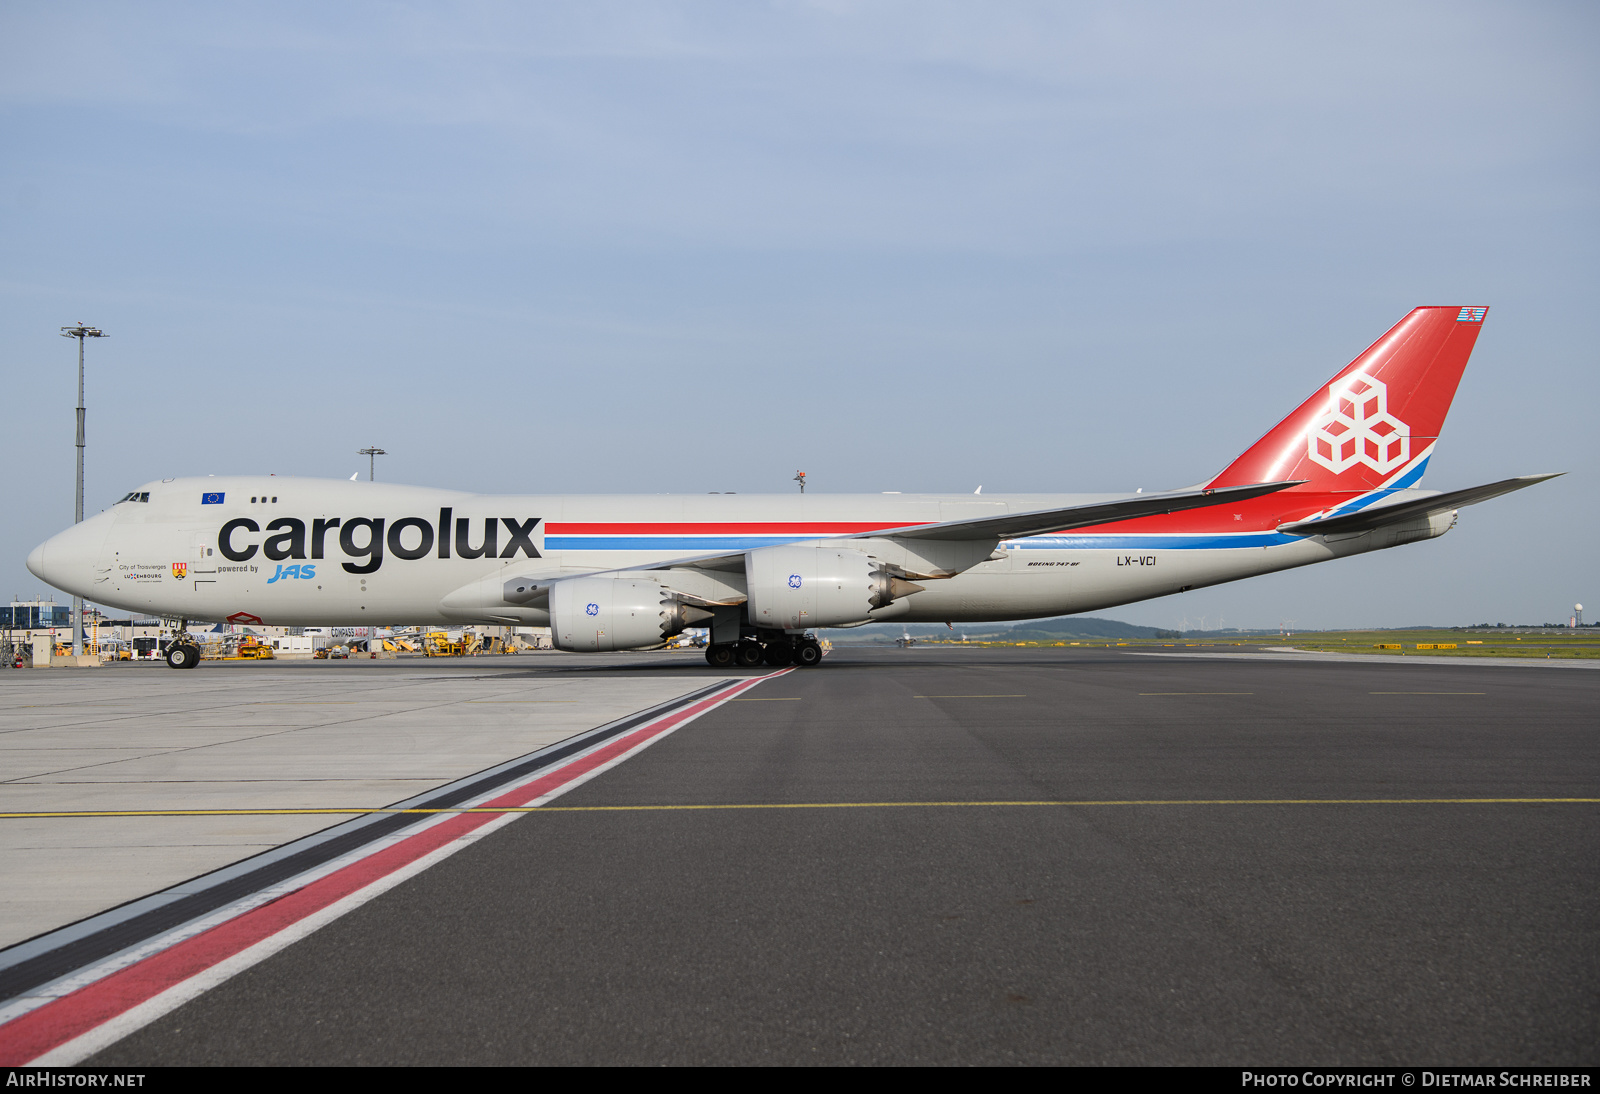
x=777, y=654
x=181, y=655
x=807, y=654
x=748, y=654
x=720, y=657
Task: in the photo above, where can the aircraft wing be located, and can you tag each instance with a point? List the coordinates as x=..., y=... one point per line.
x=1013, y=525
x=1042, y=521
x=534, y=590
x=1379, y=515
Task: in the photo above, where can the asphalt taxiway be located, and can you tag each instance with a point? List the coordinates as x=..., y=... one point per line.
x=969, y=856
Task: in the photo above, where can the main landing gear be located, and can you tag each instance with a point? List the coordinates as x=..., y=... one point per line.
x=805, y=651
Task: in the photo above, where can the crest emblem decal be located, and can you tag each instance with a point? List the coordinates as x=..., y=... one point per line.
x=180, y=570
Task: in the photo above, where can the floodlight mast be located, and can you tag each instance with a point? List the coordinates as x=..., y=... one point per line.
x=80, y=332
x=372, y=454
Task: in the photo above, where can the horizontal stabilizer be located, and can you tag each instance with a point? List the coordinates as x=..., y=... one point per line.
x=1380, y=515
x=1043, y=521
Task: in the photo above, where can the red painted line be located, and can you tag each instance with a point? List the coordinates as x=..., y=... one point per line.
x=820, y=528
x=31, y=1035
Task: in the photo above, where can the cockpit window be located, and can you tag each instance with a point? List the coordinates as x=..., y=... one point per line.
x=135, y=496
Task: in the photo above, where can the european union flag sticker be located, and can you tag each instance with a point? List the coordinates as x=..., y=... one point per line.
x=210, y=499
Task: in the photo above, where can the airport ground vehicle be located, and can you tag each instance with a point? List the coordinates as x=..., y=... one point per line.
x=250, y=648
x=438, y=644
x=1337, y=477
x=112, y=649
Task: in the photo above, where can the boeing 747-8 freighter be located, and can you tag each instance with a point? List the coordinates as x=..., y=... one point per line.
x=1336, y=477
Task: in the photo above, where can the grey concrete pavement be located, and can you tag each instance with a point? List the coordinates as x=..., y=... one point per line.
x=259, y=736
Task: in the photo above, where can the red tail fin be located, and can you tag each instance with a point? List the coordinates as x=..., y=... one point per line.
x=1377, y=419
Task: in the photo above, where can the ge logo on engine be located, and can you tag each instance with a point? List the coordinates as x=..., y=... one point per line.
x=591, y=609
x=794, y=581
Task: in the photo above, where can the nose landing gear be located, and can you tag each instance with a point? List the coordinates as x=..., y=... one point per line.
x=181, y=652
x=183, y=655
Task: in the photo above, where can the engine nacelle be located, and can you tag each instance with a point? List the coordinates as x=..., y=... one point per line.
x=1425, y=527
x=798, y=587
x=597, y=614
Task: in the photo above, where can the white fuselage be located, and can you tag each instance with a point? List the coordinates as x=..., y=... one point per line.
x=300, y=552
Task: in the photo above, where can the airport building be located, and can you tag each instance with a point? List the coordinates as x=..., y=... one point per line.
x=23, y=621
x=36, y=615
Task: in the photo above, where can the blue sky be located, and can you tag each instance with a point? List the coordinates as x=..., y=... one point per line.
x=600, y=247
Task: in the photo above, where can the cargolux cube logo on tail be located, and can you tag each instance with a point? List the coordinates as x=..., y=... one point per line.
x=1358, y=428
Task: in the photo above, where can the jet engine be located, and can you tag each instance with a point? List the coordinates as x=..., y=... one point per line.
x=595, y=614
x=798, y=587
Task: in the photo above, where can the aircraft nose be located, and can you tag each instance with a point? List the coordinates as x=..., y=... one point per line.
x=66, y=559
x=36, y=562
